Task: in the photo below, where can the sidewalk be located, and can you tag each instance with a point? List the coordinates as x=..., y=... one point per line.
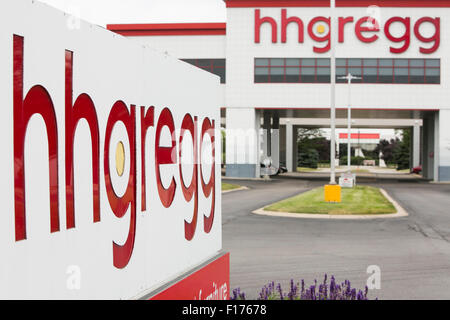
x=361, y=171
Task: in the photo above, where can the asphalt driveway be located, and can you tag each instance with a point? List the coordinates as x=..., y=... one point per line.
x=413, y=253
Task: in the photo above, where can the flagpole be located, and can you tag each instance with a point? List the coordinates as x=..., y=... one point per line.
x=333, y=94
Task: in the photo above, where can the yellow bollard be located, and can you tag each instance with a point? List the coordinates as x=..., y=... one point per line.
x=333, y=193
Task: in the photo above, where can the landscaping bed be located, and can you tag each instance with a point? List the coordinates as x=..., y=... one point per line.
x=229, y=186
x=360, y=200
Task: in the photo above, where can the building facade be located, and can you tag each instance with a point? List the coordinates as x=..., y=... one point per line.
x=273, y=59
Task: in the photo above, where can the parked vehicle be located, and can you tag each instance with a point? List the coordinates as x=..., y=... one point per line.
x=270, y=170
x=416, y=170
x=282, y=169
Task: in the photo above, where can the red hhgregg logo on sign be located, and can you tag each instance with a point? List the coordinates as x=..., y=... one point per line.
x=363, y=26
x=38, y=101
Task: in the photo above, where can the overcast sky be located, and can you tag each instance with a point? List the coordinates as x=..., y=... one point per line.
x=103, y=12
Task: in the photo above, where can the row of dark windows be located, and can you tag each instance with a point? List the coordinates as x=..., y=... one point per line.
x=292, y=70
x=317, y=70
x=390, y=70
x=215, y=66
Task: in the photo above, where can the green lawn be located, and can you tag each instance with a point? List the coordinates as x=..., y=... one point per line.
x=303, y=169
x=229, y=186
x=355, y=201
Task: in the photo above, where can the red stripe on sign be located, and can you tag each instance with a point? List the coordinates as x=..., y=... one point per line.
x=339, y=3
x=211, y=282
x=394, y=3
x=360, y=136
x=168, y=29
x=272, y=3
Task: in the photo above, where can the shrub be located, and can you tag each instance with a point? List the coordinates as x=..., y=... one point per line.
x=298, y=291
x=355, y=161
x=308, y=159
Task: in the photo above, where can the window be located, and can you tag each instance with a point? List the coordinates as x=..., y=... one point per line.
x=390, y=70
x=215, y=66
x=292, y=70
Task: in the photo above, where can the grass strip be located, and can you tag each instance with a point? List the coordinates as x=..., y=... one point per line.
x=355, y=201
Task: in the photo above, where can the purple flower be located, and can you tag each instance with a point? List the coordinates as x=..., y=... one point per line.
x=323, y=291
x=280, y=291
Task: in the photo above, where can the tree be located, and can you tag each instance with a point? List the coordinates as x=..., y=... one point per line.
x=309, y=133
x=343, y=148
x=401, y=154
x=387, y=148
x=311, y=139
x=396, y=151
x=308, y=159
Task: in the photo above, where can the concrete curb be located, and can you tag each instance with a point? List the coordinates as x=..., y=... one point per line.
x=400, y=213
x=245, y=179
x=237, y=189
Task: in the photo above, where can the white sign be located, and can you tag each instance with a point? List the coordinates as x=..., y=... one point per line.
x=110, y=161
x=347, y=180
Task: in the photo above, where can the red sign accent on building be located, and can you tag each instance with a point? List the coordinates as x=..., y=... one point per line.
x=360, y=136
x=169, y=29
x=339, y=3
x=212, y=282
x=365, y=29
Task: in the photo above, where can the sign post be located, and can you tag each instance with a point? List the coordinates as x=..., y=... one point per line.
x=349, y=179
x=333, y=94
x=332, y=191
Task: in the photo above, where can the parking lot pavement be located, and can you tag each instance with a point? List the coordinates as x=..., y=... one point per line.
x=413, y=252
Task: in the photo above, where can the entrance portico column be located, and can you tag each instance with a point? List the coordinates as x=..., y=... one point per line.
x=430, y=150
x=275, y=143
x=289, y=147
x=267, y=139
x=427, y=150
x=443, y=137
x=295, y=149
x=242, y=142
x=415, y=146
